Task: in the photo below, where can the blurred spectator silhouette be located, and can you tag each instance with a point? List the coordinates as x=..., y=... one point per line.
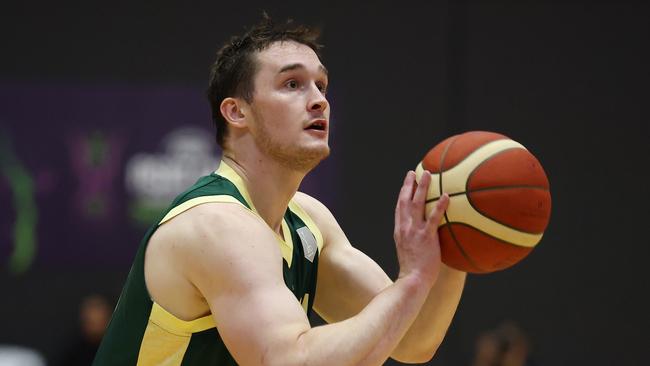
x=94, y=315
x=507, y=345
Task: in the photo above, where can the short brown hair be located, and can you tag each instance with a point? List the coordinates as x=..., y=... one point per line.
x=233, y=72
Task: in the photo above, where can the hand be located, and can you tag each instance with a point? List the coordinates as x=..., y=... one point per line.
x=416, y=235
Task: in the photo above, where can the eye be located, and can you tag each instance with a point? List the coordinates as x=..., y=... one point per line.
x=291, y=84
x=322, y=87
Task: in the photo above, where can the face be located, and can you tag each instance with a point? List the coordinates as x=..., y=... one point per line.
x=290, y=114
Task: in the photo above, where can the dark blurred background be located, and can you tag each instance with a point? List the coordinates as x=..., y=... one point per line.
x=102, y=108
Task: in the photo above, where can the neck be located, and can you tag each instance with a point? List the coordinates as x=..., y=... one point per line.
x=270, y=185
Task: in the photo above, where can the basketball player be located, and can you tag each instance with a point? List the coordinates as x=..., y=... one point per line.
x=230, y=273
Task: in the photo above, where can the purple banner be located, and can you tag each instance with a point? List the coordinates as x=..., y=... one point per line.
x=85, y=169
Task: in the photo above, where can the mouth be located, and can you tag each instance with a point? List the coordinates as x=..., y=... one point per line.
x=318, y=125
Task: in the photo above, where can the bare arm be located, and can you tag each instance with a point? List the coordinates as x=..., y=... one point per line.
x=348, y=280
x=236, y=265
x=428, y=331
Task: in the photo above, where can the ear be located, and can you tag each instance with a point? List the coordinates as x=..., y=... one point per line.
x=232, y=110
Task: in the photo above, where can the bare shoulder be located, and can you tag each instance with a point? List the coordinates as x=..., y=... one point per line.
x=315, y=209
x=233, y=262
x=187, y=254
x=323, y=217
x=206, y=219
x=208, y=232
x=211, y=223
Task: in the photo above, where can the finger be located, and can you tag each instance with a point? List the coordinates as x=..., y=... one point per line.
x=420, y=194
x=407, y=187
x=439, y=209
x=413, y=187
x=404, y=198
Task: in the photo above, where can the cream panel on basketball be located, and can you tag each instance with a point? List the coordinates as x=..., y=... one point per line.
x=434, y=189
x=454, y=180
x=460, y=210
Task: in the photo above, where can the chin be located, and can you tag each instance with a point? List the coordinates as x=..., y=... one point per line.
x=306, y=159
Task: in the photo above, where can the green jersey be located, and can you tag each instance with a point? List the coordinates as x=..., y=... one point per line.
x=141, y=332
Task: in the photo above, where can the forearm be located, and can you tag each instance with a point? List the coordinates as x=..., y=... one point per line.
x=368, y=337
x=429, y=328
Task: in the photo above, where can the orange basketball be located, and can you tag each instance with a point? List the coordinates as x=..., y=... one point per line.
x=499, y=204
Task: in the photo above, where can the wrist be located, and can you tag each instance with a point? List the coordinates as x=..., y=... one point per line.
x=415, y=281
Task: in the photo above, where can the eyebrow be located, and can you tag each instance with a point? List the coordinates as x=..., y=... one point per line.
x=295, y=66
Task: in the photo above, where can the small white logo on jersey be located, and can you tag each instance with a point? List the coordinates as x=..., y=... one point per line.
x=308, y=243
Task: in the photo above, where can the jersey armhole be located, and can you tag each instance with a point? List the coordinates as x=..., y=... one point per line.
x=311, y=224
x=222, y=198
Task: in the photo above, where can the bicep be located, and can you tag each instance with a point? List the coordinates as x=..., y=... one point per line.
x=239, y=273
x=259, y=322
x=347, y=280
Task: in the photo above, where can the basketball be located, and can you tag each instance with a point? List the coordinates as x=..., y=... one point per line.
x=500, y=201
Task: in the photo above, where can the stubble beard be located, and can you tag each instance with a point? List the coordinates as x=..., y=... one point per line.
x=294, y=157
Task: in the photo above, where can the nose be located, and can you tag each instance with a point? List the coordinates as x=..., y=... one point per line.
x=317, y=101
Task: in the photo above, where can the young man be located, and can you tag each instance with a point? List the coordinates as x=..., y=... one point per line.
x=230, y=273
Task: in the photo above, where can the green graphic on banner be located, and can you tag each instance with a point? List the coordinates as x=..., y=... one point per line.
x=22, y=187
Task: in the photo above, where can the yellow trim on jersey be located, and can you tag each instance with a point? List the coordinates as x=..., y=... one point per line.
x=167, y=337
x=224, y=198
x=172, y=324
x=286, y=246
x=229, y=173
x=160, y=347
x=286, y=243
x=305, y=302
x=297, y=209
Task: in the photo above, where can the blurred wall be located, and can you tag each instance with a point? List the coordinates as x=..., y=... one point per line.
x=567, y=80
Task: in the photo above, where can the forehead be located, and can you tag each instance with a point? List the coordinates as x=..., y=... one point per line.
x=283, y=53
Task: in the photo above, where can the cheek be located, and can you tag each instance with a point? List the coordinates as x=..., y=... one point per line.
x=280, y=111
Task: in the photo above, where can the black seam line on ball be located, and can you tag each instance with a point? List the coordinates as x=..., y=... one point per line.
x=460, y=247
x=478, y=147
x=496, y=221
x=542, y=188
x=488, y=235
x=476, y=168
x=442, y=161
x=449, y=194
x=486, y=160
